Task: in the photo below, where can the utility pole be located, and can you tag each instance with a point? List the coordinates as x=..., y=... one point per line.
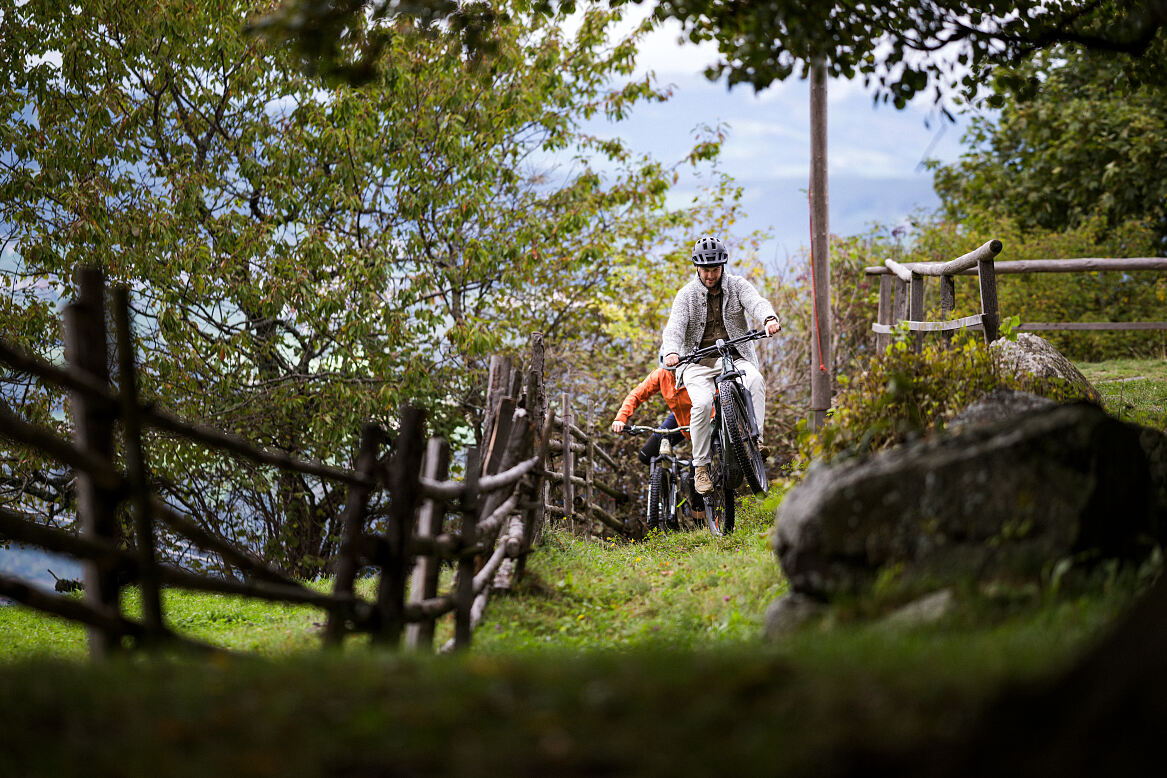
x=821, y=363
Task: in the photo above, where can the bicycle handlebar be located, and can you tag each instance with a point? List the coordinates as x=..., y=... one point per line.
x=633, y=429
x=715, y=349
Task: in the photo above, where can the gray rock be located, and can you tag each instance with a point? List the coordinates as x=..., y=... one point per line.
x=994, y=502
x=1030, y=355
x=999, y=405
x=788, y=613
x=927, y=610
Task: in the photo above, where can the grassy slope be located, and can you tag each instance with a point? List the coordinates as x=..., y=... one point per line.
x=642, y=657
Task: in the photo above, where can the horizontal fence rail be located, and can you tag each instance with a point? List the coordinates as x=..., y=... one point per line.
x=901, y=298
x=499, y=504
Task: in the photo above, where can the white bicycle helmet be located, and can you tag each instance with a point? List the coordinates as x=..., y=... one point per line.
x=710, y=250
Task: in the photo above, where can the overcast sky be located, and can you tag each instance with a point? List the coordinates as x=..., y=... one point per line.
x=874, y=153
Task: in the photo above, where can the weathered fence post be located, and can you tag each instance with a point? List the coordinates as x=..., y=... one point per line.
x=86, y=350
x=568, y=466
x=464, y=585
x=901, y=301
x=424, y=583
x=987, y=274
x=405, y=492
x=537, y=412
x=947, y=300
x=590, y=475
x=352, y=526
x=136, y=469
x=885, y=311
x=916, y=311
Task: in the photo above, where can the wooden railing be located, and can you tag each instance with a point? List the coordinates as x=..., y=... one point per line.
x=576, y=493
x=901, y=291
x=499, y=503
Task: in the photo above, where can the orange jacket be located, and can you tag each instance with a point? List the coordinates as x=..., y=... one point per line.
x=663, y=381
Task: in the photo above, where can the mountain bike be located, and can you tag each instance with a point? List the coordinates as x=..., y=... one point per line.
x=668, y=481
x=735, y=435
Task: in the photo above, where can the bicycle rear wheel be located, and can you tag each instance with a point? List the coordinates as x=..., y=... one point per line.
x=659, y=490
x=743, y=447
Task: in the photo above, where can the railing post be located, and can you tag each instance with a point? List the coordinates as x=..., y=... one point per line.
x=916, y=312
x=947, y=300
x=537, y=412
x=86, y=349
x=987, y=274
x=885, y=311
x=901, y=301
x=568, y=466
x=136, y=469
x=590, y=475
x=352, y=524
x=464, y=585
x=424, y=583
x=405, y=491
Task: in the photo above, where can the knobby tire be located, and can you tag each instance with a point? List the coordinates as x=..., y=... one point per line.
x=658, y=498
x=743, y=449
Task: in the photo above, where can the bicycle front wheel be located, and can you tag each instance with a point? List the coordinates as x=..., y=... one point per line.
x=658, y=498
x=742, y=446
x=719, y=507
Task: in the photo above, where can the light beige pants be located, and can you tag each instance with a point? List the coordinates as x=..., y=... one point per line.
x=699, y=381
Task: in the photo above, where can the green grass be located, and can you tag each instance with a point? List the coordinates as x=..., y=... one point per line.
x=1132, y=389
x=611, y=657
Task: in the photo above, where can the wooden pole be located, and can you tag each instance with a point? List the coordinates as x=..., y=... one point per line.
x=568, y=466
x=405, y=493
x=590, y=474
x=916, y=305
x=86, y=351
x=987, y=273
x=821, y=368
x=424, y=583
x=537, y=412
x=352, y=527
x=947, y=299
x=464, y=585
x=885, y=311
x=154, y=630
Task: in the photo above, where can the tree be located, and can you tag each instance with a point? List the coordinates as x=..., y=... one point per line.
x=1078, y=135
x=303, y=260
x=902, y=47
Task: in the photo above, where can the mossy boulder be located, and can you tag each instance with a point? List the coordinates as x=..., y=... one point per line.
x=1004, y=501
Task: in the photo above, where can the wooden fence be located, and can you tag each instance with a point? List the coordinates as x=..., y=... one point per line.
x=901, y=292
x=500, y=504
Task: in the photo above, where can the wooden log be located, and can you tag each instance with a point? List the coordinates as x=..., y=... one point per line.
x=885, y=311
x=611, y=491
x=898, y=270
x=537, y=409
x=233, y=444
x=983, y=253
x=403, y=475
x=352, y=524
x=23, y=529
x=967, y=322
x=424, y=583
x=590, y=467
x=988, y=283
x=1094, y=325
x=568, y=466
x=135, y=459
x=916, y=306
x=497, y=384
x=86, y=351
x=242, y=561
x=496, y=445
x=1074, y=265
x=99, y=470
x=901, y=301
x=67, y=378
x=464, y=583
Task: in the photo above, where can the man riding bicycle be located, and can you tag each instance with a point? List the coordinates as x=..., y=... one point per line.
x=715, y=305
x=677, y=399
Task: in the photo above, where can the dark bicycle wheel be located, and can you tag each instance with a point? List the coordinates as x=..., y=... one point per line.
x=743, y=449
x=659, y=490
x=719, y=508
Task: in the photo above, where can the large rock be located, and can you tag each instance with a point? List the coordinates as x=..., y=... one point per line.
x=999, y=405
x=1000, y=501
x=1030, y=355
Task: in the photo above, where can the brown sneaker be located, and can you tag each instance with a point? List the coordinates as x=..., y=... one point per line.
x=701, y=480
x=763, y=449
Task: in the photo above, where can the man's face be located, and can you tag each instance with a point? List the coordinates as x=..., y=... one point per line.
x=709, y=275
